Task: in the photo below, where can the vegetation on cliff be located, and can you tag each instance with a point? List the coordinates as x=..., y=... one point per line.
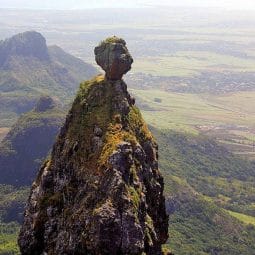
x=101, y=191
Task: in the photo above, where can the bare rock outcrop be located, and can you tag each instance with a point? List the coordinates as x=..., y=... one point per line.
x=114, y=58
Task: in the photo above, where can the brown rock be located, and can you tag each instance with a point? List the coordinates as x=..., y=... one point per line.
x=114, y=58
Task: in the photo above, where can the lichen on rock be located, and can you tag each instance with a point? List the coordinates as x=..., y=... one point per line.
x=101, y=192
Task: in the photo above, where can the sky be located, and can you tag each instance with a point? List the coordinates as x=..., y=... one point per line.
x=84, y=4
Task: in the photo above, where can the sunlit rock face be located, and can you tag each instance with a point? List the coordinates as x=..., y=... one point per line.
x=114, y=58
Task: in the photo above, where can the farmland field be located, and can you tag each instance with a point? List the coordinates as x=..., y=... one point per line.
x=229, y=120
x=188, y=63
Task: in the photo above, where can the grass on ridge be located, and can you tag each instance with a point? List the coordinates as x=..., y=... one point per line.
x=242, y=217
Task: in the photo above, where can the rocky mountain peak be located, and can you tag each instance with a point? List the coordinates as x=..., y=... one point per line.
x=27, y=44
x=114, y=58
x=101, y=191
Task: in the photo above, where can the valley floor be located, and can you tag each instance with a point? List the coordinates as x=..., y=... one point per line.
x=230, y=118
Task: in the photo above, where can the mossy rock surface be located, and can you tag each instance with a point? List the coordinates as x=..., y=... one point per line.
x=103, y=175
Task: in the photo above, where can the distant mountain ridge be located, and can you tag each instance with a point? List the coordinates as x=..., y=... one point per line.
x=29, y=69
x=28, y=44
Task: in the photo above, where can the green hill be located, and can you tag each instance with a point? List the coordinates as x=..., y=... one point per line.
x=28, y=142
x=12, y=203
x=209, y=194
x=21, y=153
x=199, y=227
x=29, y=68
x=210, y=169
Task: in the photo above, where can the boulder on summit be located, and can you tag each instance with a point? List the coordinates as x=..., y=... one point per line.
x=114, y=58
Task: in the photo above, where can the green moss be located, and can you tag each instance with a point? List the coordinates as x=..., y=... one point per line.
x=114, y=136
x=102, y=205
x=93, y=107
x=134, y=196
x=50, y=199
x=114, y=39
x=149, y=228
x=86, y=85
x=133, y=172
x=111, y=142
x=166, y=251
x=149, y=221
x=138, y=125
x=148, y=236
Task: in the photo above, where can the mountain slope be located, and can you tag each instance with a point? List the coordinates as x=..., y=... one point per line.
x=28, y=69
x=210, y=169
x=12, y=203
x=199, y=227
x=204, y=185
x=28, y=142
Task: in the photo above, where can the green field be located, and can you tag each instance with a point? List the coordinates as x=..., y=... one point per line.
x=8, y=239
x=230, y=118
x=188, y=63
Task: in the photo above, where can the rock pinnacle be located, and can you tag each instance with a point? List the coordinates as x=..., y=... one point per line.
x=114, y=58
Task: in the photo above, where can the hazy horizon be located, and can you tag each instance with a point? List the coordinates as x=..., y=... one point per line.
x=85, y=4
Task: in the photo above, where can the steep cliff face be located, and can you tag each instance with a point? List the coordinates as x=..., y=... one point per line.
x=28, y=142
x=101, y=192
